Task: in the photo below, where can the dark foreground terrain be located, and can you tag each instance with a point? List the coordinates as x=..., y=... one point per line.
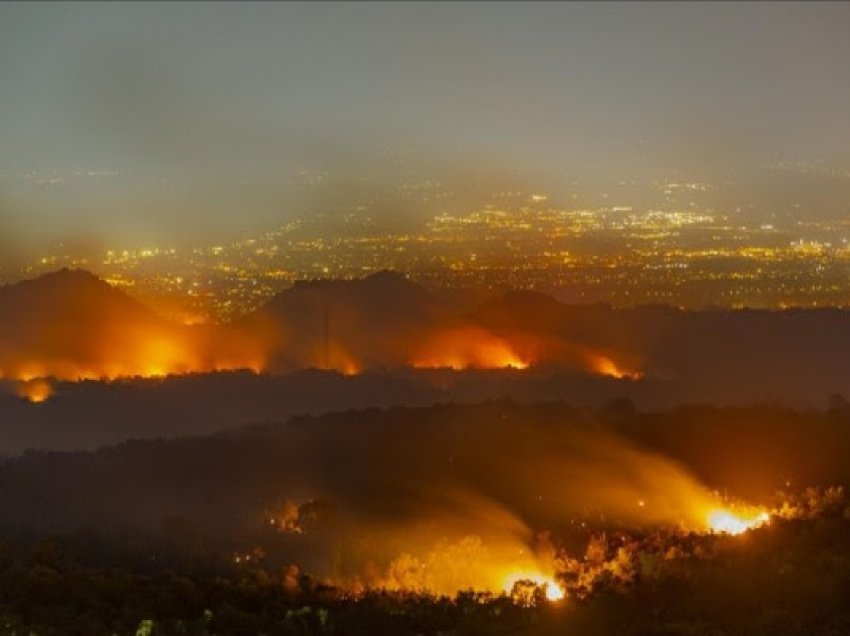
x=792, y=578
x=303, y=527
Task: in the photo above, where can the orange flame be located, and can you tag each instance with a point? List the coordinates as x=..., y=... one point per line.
x=133, y=351
x=551, y=589
x=603, y=365
x=467, y=348
x=726, y=521
x=337, y=358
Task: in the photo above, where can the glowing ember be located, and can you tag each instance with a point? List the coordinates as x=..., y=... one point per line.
x=727, y=522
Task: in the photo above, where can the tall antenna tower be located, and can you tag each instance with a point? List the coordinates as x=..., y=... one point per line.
x=327, y=336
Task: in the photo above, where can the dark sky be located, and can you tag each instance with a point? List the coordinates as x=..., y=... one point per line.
x=124, y=123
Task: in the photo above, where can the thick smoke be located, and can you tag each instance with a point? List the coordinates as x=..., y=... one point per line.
x=378, y=497
x=479, y=493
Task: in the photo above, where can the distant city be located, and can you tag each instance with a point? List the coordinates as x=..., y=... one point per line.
x=672, y=246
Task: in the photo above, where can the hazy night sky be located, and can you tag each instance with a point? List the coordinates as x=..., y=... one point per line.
x=133, y=122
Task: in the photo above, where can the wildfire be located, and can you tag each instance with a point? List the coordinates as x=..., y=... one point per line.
x=337, y=358
x=35, y=391
x=603, y=365
x=467, y=348
x=140, y=353
x=516, y=582
x=497, y=565
x=725, y=521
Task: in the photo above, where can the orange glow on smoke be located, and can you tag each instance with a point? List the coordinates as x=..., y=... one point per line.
x=140, y=352
x=497, y=565
x=160, y=356
x=333, y=358
x=340, y=360
x=467, y=348
x=603, y=365
x=133, y=351
x=35, y=391
x=120, y=343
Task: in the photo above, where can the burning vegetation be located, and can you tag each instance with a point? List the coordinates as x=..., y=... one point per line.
x=599, y=561
x=35, y=390
x=572, y=508
x=734, y=522
x=465, y=348
x=70, y=326
x=414, y=512
x=604, y=365
x=610, y=559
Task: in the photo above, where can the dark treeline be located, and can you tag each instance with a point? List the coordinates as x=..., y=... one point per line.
x=788, y=579
x=375, y=460
x=142, y=535
x=91, y=414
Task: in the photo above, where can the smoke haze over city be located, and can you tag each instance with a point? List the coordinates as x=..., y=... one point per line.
x=186, y=125
x=444, y=319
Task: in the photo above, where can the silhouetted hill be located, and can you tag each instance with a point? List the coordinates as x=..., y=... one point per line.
x=590, y=324
x=71, y=322
x=68, y=295
x=782, y=355
x=521, y=310
x=365, y=322
x=385, y=298
x=92, y=414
